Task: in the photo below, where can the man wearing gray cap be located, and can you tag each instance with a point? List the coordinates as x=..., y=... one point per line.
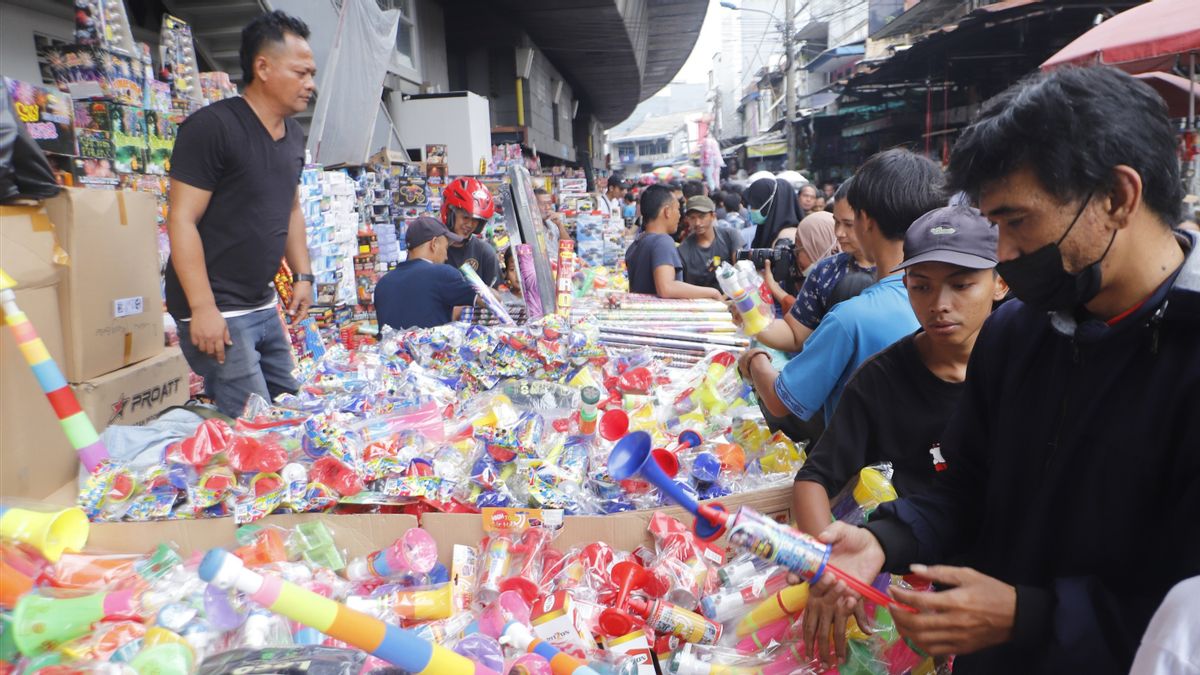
x=422, y=292
x=707, y=244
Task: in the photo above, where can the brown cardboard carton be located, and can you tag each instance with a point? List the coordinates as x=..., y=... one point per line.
x=35, y=456
x=624, y=531
x=131, y=396
x=111, y=298
x=356, y=534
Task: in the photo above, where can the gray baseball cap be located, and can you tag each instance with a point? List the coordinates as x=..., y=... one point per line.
x=700, y=203
x=957, y=235
x=425, y=228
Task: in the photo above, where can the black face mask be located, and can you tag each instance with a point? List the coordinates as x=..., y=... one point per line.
x=1040, y=280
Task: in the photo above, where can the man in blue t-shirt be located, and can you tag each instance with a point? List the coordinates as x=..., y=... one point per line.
x=889, y=192
x=422, y=292
x=653, y=261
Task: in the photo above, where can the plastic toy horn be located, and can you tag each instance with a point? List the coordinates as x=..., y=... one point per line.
x=615, y=621
x=50, y=532
x=41, y=623
x=75, y=423
x=668, y=457
x=401, y=648
x=748, y=529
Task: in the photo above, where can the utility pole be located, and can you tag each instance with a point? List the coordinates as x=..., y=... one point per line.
x=789, y=84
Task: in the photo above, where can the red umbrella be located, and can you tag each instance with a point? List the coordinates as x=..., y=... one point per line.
x=1147, y=37
x=1175, y=90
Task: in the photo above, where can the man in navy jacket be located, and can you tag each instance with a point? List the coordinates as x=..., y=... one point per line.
x=1072, y=490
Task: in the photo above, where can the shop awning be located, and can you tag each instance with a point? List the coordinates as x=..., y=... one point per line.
x=767, y=145
x=835, y=58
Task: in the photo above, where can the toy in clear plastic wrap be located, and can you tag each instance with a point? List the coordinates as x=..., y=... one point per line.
x=75, y=423
x=870, y=488
x=49, y=531
x=390, y=643
x=42, y=622
x=485, y=294
x=740, y=288
x=748, y=529
x=414, y=552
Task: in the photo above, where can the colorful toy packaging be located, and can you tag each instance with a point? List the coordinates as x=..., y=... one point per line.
x=279, y=599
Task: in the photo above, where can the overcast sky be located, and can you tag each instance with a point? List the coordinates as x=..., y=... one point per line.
x=698, y=64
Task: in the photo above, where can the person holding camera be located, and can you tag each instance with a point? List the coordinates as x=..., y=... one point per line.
x=892, y=190
x=840, y=276
x=814, y=241
x=707, y=245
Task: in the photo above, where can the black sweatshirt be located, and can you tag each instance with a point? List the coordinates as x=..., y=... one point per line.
x=1073, y=474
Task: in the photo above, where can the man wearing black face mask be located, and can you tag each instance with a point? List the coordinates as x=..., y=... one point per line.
x=1071, y=486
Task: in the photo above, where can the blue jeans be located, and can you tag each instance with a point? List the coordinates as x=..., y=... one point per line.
x=258, y=362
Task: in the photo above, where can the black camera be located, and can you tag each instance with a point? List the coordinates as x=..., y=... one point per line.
x=783, y=263
x=782, y=257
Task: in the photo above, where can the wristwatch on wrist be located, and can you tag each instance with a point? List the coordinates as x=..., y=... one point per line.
x=297, y=278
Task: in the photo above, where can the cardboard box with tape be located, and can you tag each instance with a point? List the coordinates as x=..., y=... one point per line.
x=624, y=531
x=110, y=296
x=35, y=456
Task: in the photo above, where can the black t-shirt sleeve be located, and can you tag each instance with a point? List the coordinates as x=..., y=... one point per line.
x=489, y=264
x=842, y=449
x=198, y=158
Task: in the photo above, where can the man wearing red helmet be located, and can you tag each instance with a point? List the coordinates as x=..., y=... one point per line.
x=466, y=207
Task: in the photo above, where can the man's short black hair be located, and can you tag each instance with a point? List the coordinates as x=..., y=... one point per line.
x=895, y=187
x=732, y=201
x=692, y=188
x=540, y=191
x=268, y=28
x=1071, y=126
x=652, y=201
x=674, y=185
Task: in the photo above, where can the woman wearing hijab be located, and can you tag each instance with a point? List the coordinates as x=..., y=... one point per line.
x=772, y=204
x=815, y=239
x=840, y=275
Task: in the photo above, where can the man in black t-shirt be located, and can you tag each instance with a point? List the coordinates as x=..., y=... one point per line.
x=235, y=213
x=707, y=245
x=895, y=407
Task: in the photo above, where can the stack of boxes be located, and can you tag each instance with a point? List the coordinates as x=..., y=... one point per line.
x=332, y=221
x=88, y=279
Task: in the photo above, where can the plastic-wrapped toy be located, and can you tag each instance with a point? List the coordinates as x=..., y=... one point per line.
x=745, y=297
x=394, y=645
x=414, y=552
x=49, y=531
x=748, y=529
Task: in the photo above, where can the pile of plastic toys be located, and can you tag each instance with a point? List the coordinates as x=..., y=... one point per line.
x=290, y=601
x=458, y=418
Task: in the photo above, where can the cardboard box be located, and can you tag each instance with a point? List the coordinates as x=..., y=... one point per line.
x=132, y=395
x=356, y=534
x=111, y=298
x=35, y=456
x=625, y=531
